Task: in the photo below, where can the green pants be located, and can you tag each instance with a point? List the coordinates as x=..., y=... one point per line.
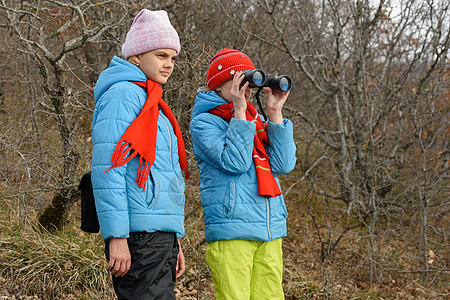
x=246, y=269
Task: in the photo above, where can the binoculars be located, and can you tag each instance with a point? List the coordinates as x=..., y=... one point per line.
x=257, y=79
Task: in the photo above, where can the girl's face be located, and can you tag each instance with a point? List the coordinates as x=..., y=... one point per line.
x=224, y=91
x=157, y=64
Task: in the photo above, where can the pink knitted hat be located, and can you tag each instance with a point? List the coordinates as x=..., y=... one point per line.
x=150, y=30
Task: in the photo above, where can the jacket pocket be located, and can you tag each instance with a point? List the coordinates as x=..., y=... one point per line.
x=282, y=208
x=229, y=200
x=284, y=212
x=152, y=190
x=278, y=208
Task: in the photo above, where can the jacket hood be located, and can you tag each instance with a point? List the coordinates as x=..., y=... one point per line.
x=205, y=101
x=119, y=70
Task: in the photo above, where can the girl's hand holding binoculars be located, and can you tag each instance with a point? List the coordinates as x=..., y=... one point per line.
x=274, y=104
x=239, y=95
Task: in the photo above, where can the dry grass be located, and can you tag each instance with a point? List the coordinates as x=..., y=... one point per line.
x=35, y=264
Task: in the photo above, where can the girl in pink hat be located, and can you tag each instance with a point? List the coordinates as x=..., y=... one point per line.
x=137, y=163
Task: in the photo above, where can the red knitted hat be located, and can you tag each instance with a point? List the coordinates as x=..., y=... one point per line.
x=224, y=64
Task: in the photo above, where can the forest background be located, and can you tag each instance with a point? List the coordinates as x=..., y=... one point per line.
x=368, y=200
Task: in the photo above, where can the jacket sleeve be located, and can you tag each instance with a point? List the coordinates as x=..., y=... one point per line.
x=114, y=112
x=281, y=149
x=226, y=146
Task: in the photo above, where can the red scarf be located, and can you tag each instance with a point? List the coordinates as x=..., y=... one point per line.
x=140, y=137
x=267, y=185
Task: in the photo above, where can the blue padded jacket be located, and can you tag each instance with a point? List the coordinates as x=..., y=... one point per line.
x=123, y=207
x=229, y=192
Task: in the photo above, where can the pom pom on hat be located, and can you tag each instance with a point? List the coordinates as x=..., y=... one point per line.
x=225, y=64
x=149, y=31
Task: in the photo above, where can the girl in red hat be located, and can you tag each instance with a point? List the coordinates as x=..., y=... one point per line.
x=239, y=154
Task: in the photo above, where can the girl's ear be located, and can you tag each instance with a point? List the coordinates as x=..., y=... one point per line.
x=137, y=60
x=134, y=60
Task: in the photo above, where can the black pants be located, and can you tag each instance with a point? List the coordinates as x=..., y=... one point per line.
x=153, y=266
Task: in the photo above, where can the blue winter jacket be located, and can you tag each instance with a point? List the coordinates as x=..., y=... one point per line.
x=123, y=207
x=232, y=207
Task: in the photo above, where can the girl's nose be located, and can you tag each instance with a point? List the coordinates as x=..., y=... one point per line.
x=169, y=64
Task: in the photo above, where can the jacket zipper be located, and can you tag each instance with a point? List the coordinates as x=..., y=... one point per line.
x=171, y=160
x=268, y=218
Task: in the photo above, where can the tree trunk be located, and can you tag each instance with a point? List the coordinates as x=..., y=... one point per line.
x=55, y=215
